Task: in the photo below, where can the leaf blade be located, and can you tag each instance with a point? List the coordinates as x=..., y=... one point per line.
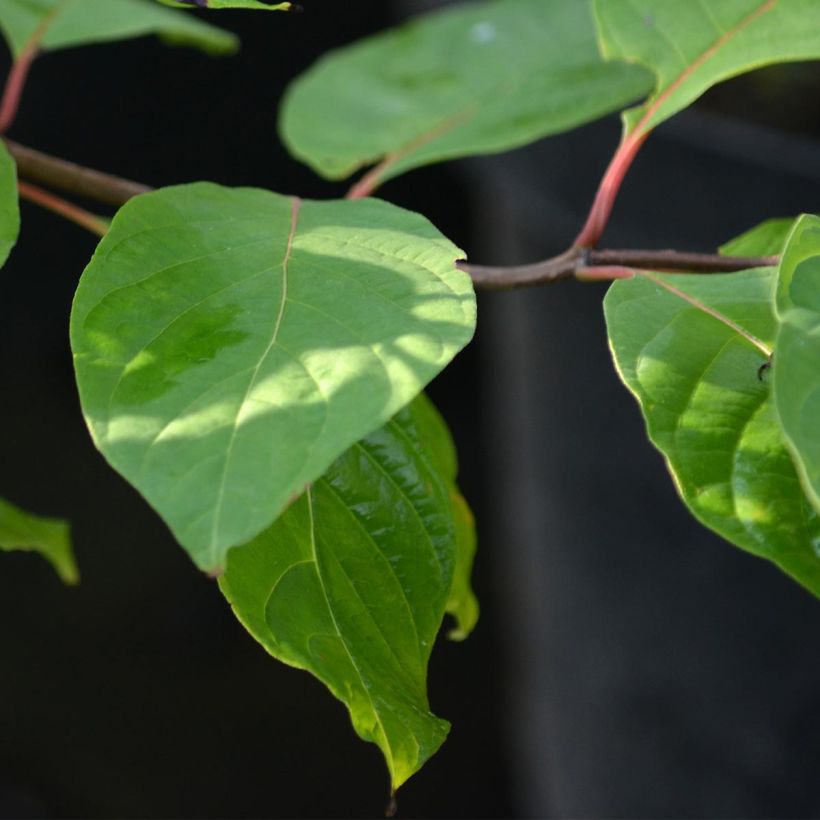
x=351, y=584
x=9, y=204
x=50, y=537
x=257, y=5
x=71, y=23
x=796, y=376
x=710, y=415
x=196, y=401
x=476, y=79
x=693, y=46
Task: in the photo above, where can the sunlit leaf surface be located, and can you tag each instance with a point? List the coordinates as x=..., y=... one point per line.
x=231, y=343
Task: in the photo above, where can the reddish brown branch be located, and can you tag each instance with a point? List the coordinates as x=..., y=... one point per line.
x=607, y=264
x=59, y=206
x=67, y=176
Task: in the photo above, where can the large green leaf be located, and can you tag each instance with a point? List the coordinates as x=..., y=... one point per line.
x=476, y=79
x=51, y=537
x=797, y=357
x=231, y=343
x=9, y=207
x=693, y=44
x=66, y=23
x=351, y=583
x=709, y=409
x=261, y=5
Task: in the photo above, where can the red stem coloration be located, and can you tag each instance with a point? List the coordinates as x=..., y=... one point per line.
x=633, y=139
x=16, y=81
x=608, y=190
x=55, y=204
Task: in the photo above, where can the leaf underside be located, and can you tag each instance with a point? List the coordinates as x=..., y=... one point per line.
x=476, y=79
x=51, y=537
x=82, y=22
x=231, y=343
x=711, y=415
x=352, y=581
x=692, y=45
x=797, y=357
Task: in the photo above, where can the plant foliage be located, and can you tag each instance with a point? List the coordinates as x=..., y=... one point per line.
x=253, y=363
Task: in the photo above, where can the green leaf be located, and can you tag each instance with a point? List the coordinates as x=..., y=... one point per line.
x=435, y=439
x=231, y=343
x=51, y=537
x=260, y=5
x=351, y=583
x=67, y=23
x=710, y=413
x=695, y=44
x=797, y=358
x=9, y=207
x=477, y=79
x=766, y=239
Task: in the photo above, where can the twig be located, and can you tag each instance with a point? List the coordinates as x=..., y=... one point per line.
x=586, y=263
x=16, y=80
x=75, y=179
x=55, y=204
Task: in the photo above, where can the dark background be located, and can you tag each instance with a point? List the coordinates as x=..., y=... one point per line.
x=628, y=664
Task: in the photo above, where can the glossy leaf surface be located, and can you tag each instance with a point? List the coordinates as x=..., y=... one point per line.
x=231, y=343
x=797, y=357
x=351, y=583
x=9, y=207
x=67, y=23
x=51, y=537
x=695, y=44
x=711, y=414
x=477, y=79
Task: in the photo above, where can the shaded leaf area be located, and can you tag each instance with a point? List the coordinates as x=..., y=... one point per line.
x=231, y=343
x=797, y=357
x=433, y=438
x=67, y=23
x=9, y=204
x=352, y=582
x=711, y=414
x=694, y=45
x=477, y=79
x=260, y=5
x=51, y=537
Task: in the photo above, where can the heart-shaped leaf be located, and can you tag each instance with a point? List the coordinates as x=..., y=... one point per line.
x=9, y=207
x=692, y=45
x=65, y=23
x=709, y=410
x=51, y=537
x=797, y=357
x=351, y=583
x=231, y=343
x=477, y=79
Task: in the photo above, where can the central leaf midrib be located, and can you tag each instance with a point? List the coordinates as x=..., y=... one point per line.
x=220, y=497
